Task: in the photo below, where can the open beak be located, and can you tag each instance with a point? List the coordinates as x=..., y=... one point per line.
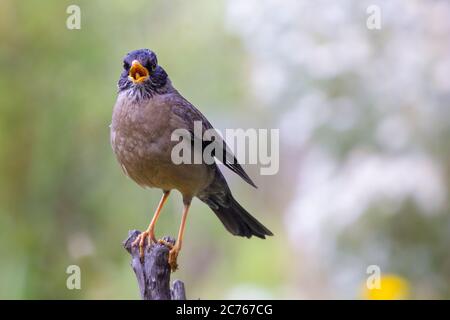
x=138, y=73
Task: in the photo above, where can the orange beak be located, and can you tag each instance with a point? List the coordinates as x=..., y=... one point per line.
x=138, y=73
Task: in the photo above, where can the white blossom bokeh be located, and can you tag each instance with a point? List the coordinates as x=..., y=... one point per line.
x=367, y=110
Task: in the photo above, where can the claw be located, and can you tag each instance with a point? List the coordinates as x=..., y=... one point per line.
x=166, y=243
x=140, y=240
x=173, y=255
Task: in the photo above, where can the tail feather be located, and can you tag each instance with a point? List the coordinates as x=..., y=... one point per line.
x=238, y=221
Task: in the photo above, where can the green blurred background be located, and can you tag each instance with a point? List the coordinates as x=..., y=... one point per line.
x=364, y=156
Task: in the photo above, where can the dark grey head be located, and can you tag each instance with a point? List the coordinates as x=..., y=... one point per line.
x=142, y=77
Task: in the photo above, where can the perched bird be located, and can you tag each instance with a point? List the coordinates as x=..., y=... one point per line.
x=147, y=111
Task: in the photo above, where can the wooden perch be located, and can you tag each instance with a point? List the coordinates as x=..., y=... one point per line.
x=153, y=272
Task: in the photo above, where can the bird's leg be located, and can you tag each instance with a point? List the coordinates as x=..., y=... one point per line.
x=151, y=227
x=150, y=232
x=173, y=253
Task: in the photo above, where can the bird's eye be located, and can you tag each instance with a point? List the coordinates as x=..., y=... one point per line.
x=151, y=66
x=126, y=65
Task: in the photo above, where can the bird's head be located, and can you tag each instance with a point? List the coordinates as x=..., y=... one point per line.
x=141, y=75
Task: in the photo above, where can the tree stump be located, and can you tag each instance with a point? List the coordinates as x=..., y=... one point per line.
x=153, y=271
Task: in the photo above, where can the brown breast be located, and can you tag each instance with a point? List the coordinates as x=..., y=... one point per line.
x=141, y=140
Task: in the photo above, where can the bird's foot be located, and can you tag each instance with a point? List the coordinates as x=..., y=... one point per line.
x=173, y=255
x=140, y=240
x=166, y=243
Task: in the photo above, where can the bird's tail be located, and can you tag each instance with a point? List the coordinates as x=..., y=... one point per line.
x=237, y=220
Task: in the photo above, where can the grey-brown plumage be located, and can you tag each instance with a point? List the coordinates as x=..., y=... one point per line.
x=147, y=111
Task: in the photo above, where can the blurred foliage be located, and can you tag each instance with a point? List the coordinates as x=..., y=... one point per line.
x=64, y=199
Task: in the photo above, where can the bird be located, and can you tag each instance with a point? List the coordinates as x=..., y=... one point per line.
x=147, y=111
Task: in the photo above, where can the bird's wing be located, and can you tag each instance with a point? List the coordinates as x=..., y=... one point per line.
x=187, y=113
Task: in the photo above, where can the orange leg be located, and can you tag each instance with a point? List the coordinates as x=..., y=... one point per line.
x=173, y=253
x=150, y=232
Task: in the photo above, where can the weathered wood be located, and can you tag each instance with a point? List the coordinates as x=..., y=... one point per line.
x=153, y=271
x=178, y=292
